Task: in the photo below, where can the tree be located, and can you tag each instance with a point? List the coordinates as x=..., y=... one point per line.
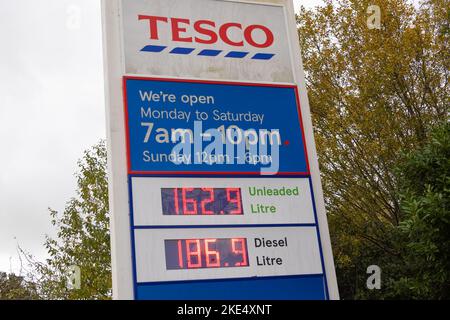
x=425, y=230
x=82, y=237
x=13, y=287
x=373, y=94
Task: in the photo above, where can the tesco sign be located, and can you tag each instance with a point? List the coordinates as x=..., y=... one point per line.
x=208, y=31
x=212, y=39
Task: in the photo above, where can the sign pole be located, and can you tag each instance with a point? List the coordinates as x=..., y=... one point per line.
x=121, y=262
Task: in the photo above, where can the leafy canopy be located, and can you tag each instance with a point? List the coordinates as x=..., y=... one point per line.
x=82, y=237
x=375, y=95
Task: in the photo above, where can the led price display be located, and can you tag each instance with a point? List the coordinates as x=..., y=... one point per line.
x=201, y=201
x=206, y=253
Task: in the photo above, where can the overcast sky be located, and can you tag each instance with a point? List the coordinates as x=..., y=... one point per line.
x=51, y=109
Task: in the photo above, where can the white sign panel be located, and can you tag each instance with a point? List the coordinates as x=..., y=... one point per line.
x=206, y=39
x=191, y=201
x=268, y=252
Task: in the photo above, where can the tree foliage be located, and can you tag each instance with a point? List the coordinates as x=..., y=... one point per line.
x=425, y=230
x=82, y=237
x=14, y=287
x=374, y=94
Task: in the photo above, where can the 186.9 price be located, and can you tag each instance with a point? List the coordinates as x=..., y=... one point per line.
x=206, y=253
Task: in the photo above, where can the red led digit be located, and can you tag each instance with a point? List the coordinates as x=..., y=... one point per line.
x=180, y=255
x=183, y=254
x=175, y=199
x=206, y=201
x=236, y=200
x=212, y=256
x=193, y=250
x=242, y=251
x=187, y=201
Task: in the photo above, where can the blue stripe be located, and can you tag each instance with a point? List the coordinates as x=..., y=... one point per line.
x=180, y=50
x=227, y=279
x=133, y=244
x=210, y=53
x=300, y=287
x=236, y=54
x=327, y=297
x=263, y=56
x=221, y=175
x=153, y=48
x=219, y=226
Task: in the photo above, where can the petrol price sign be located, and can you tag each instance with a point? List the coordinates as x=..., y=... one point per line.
x=166, y=201
x=214, y=182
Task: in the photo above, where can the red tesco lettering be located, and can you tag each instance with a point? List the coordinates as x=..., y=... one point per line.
x=208, y=32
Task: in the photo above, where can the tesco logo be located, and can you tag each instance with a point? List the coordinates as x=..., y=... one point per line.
x=209, y=32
